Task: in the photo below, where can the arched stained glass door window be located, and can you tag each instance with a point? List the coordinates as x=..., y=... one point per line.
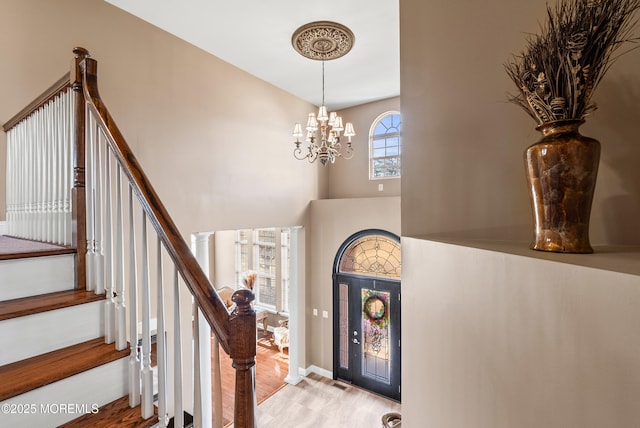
x=373, y=255
x=367, y=273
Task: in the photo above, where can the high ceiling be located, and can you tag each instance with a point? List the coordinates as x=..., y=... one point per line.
x=255, y=36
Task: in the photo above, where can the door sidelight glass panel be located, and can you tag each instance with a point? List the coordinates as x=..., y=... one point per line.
x=344, y=325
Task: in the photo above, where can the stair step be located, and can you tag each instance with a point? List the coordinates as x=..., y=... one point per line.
x=24, y=277
x=16, y=248
x=37, y=325
x=116, y=414
x=35, y=372
x=46, y=302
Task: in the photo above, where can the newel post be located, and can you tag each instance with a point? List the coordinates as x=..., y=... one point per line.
x=78, y=194
x=243, y=353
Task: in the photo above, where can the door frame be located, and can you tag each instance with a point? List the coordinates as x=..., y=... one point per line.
x=342, y=278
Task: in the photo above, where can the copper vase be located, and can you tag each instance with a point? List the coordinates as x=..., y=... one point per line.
x=561, y=173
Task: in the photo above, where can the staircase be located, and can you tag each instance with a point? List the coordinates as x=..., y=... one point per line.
x=73, y=180
x=55, y=368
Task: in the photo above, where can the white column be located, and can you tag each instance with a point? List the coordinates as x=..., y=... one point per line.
x=202, y=367
x=293, y=377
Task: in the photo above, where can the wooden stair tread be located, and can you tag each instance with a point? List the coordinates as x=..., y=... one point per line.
x=14, y=256
x=46, y=302
x=31, y=373
x=116, y=414
x=19, y=248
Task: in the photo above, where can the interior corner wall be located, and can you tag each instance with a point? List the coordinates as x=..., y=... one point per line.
x=350, y=178
x=463, y=143
x=183, y=111
x=332, y=222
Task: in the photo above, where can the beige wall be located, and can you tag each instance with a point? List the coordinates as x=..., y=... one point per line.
x=224, y=259
x=462, y=159
x=332, y=222
x=501, y=336
x=201, y=128
x=350, y=179
x=497, y=340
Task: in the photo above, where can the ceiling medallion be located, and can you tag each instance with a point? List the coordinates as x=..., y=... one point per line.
x=323, y=40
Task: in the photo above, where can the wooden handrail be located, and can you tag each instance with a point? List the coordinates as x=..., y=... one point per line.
x=211, y=305
x=55, y=89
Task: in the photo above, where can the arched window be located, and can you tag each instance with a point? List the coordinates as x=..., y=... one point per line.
x=374, y=255
x=385, y=146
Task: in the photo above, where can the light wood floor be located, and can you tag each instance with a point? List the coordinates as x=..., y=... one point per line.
x=319, y=402
x=272, y=367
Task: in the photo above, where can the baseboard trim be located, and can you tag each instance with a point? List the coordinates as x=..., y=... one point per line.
x=317, y=370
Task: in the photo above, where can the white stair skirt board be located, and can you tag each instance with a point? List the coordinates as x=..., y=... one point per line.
x=67, y=399
x=36, y=275
x=37, y=334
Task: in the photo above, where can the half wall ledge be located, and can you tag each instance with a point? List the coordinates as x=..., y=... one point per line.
x=622, y=259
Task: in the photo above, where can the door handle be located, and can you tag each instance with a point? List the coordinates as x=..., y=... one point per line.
x=356, y=341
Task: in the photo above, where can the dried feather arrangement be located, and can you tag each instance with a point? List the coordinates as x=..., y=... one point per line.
x=561, y=67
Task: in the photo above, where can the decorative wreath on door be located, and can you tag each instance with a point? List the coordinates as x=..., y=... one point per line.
x=375, y=308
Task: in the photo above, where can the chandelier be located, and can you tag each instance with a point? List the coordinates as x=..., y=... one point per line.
x=321, y=41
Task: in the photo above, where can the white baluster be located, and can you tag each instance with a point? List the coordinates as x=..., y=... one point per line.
x=198, y=411
x=98, y=258
x=10, y=181
x=178, y=407
x=56, y=172
x=121, y=314
x=216, y=379
x=50, y=177
x=59, y=171
x=35, y=170
x=25, y=178
x=22, y=149
x=202, y=349
x=109, y=312
x=147, y=373
x=41, y=211
x=18, y=168
x=67, y=169
x=134, y=361
x=18, y=182
x=34, y=199
x=161, y=347
x=45, y=136
x=90, y=201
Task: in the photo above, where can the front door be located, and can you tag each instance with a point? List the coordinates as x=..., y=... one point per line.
x=367, y=330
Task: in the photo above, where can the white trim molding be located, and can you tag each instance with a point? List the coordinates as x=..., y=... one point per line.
x=317, y=370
